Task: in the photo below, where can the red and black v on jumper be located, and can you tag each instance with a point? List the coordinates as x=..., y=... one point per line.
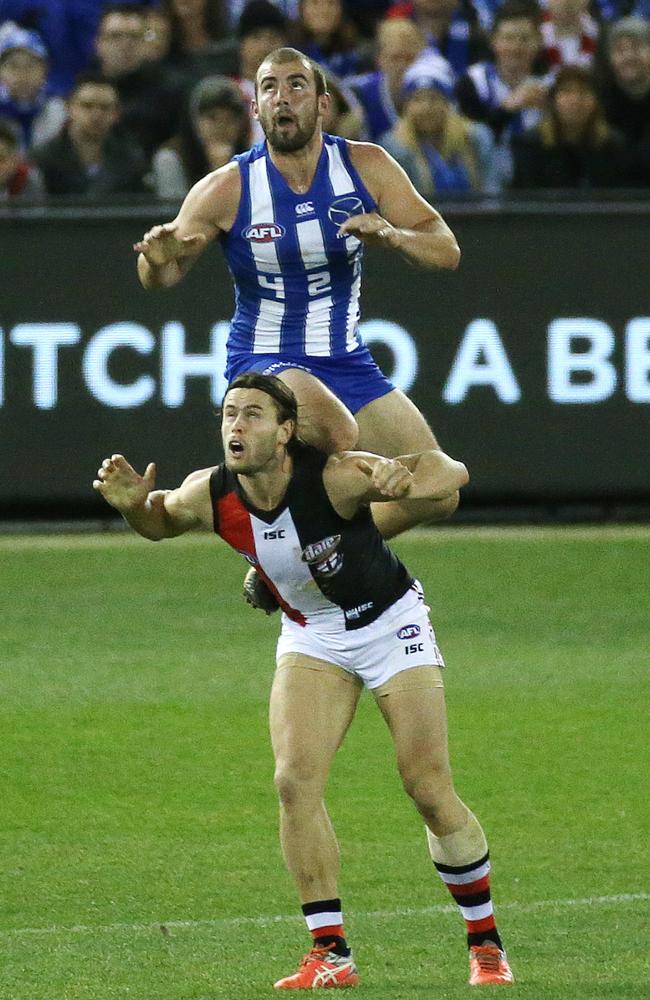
x=319, y=566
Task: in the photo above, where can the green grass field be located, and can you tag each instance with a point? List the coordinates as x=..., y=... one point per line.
x=139, y=855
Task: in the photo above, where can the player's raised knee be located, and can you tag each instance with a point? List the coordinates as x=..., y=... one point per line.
x=343, y=433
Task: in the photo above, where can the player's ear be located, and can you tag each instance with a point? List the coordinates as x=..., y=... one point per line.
x=286, y=431
x=324, y=104
x=255, y=111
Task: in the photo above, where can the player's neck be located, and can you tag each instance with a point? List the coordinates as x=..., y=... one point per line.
x=266, y=489
x=298, y=168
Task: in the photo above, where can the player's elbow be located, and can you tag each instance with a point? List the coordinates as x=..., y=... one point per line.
x=443, y=254
x=444, y=509
x=453, y=255
x=463, y=475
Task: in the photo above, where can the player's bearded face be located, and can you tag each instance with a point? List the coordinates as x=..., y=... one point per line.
x=288, y=130
x=287, y=105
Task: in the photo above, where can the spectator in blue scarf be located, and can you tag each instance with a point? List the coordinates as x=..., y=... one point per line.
x=66, y=26
x=399, y=43
x=23, y=93
x=441, y=151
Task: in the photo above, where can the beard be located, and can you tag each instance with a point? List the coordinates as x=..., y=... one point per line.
x=296, y=139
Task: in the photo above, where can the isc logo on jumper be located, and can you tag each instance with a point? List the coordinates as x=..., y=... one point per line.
x=409, y=632
x=305, y=208
x=274, y=534
x=323, y=557
x=353, y=613
x=263, y=232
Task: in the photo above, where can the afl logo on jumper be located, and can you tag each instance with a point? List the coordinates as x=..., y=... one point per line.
x=322, y=556
x=263, y=232
x=343, y=208
x=409, y=632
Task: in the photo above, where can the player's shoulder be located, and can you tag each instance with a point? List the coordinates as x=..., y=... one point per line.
x=366, y=154
x=197, y=482
x=372, y=162
x=220, y=180
x=216, y=196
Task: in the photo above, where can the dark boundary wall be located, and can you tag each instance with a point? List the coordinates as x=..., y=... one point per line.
x=532, y=361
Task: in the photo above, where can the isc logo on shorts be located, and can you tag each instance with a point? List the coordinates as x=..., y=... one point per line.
x=263, y=232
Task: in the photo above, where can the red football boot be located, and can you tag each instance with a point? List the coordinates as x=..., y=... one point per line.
x=322, y=969
x=488, y=966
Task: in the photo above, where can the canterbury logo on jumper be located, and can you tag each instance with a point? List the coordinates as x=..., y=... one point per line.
x=305, y=207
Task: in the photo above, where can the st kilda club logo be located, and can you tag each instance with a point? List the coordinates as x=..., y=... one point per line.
x=323, y=558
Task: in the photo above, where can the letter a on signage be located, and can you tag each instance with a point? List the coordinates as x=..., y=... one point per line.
x=481, y=359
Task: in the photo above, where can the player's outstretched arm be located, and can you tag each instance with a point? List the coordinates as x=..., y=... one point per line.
x=404, y=221
x=167, y=252
x=154, y=514
x=356, y=479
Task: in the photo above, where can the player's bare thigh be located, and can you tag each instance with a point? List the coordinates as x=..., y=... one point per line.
x=393, y=425
x=311, y=707
x=323, y=420
x=414, y=708
x=413, y=705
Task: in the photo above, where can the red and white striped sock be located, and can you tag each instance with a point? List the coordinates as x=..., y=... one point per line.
x=324, y=919
x=463, y=863
x=470, y=887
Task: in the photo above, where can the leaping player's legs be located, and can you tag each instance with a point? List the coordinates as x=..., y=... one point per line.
x=312, y=705
x=323, y=420
x=392, y=425
x=413, y=704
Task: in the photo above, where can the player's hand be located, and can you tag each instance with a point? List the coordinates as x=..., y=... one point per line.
x=369, y=227
x=391, y=478
x=120, y=484
x=388, y=476
x=161, y=245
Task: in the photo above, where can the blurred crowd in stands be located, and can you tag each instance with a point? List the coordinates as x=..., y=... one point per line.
x=102, y=99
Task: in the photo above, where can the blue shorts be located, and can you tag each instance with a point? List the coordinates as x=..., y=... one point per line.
x=353, y=377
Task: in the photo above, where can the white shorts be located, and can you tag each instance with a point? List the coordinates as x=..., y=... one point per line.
x=402, y=637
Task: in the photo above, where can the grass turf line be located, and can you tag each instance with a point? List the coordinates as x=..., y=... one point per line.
x=136, y=773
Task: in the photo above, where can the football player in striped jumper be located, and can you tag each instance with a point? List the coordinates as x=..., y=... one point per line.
x=353, y=616
x=292, y=215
